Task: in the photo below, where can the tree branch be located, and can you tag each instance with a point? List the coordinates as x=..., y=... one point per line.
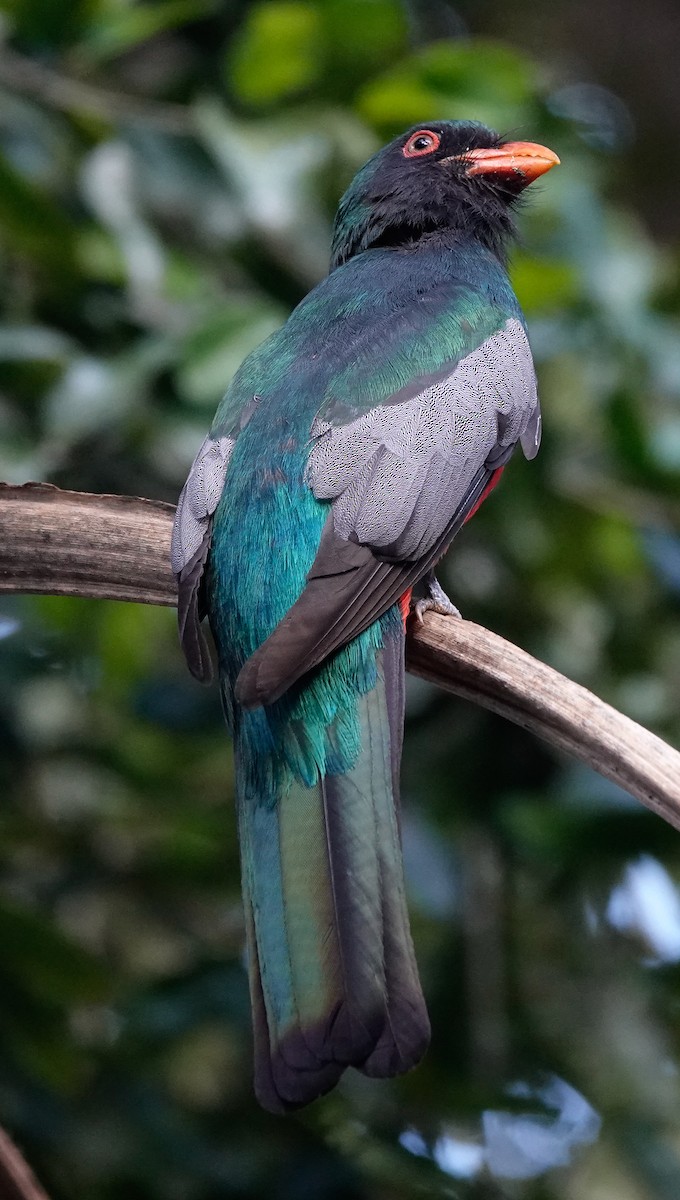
x=117, y=547
x=32, y=78
x=78, y=544
x=17, y=1181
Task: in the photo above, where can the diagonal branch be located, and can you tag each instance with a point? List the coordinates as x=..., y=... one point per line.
x=79, y=544
x=30, y=77
x=117, y=547
x=17, y=1181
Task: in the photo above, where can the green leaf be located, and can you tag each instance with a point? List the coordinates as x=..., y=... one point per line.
x=278, y=54
x=542, y=284
x=31, y=222
x=485, y=81
x=360, y=37
x=213, y=353
x=122, y=29
x=47, y=23
x=40, y=959
x=615, y=546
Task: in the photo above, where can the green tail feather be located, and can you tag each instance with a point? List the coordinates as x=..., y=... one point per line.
x=332, y=970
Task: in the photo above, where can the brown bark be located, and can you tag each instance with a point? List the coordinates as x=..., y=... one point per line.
x=116, y=547
x=17, y=1181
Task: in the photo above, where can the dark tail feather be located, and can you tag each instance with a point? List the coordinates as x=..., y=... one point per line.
x=333, y=976
x=406, y=1033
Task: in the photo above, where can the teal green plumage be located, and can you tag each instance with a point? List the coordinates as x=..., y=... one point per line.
x=331, y=726
x=306, y=619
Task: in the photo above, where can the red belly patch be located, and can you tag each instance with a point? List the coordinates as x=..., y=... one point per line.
x=405, y=605
x=489, y=488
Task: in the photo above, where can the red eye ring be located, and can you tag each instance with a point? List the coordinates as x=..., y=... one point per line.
x=432, y=142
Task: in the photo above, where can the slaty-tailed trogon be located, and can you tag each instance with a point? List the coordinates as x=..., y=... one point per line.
x=348, y=451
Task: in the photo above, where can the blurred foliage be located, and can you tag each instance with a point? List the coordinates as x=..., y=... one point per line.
x=168, y=175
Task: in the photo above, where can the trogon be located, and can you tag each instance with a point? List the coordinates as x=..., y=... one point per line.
x=348, y=451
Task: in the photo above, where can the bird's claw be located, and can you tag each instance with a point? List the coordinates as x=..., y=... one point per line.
x=434, y=600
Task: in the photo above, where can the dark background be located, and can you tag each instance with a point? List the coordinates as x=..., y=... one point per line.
x=168, y=174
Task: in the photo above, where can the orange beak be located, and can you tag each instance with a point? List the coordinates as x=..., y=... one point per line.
x=521, y=161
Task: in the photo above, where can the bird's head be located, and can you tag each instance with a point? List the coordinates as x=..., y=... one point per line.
x=444, y=175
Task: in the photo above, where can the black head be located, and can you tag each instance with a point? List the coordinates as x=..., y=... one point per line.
x=446, y=175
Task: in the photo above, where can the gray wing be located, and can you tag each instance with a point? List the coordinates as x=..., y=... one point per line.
x=191, y=537
x=398, y=473
x=402, y=478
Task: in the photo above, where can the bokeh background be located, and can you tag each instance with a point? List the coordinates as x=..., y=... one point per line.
x=168, y=175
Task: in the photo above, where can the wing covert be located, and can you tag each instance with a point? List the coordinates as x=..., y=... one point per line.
x=397, y=473
x=191, y=537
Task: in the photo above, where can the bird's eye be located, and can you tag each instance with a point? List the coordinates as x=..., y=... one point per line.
x=425, y=141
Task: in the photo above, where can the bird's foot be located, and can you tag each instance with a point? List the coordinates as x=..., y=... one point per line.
x=434, y=600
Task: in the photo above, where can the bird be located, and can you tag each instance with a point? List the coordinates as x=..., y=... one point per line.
x=348, y=451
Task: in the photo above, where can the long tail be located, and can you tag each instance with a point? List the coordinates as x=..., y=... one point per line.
x=333, y=976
